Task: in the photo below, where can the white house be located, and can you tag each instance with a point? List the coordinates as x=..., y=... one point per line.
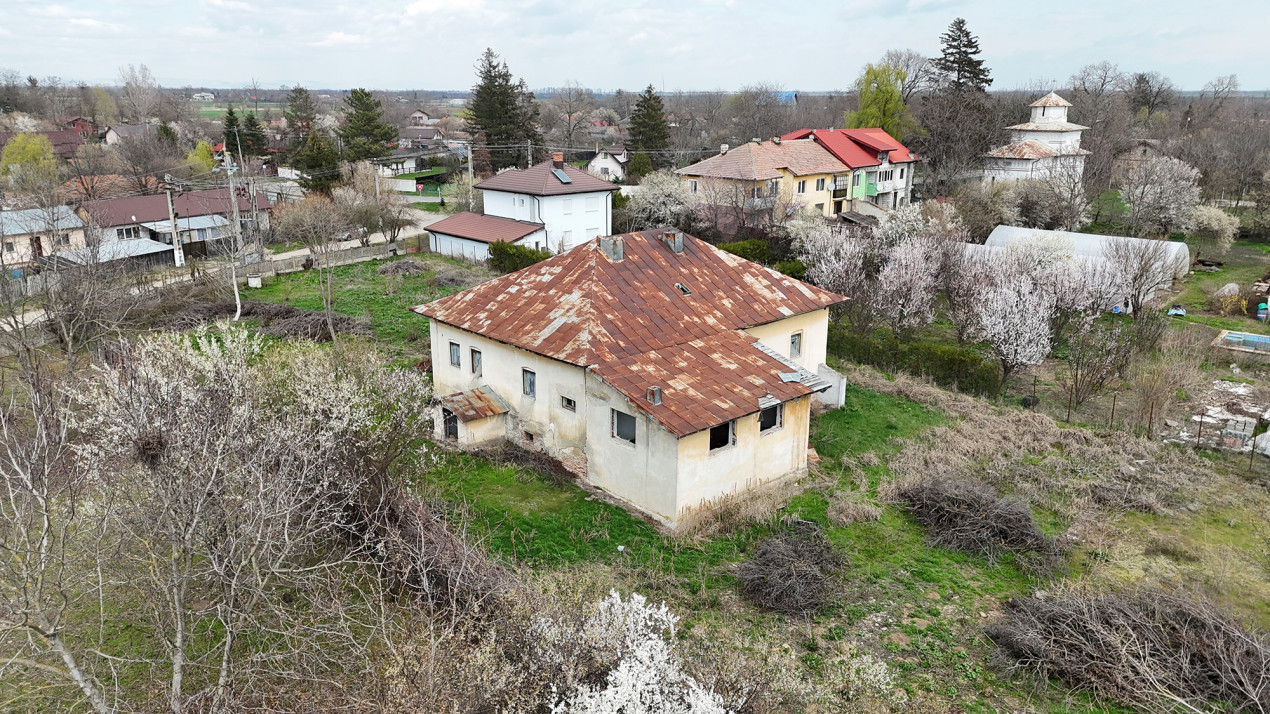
x=653, y=365
x=419, y=118
x=1047, y=143
x=572, y=205
x=468, y=235
x=609, y=163
x=202, y=97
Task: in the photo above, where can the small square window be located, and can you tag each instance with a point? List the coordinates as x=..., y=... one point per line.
x=723, y=435
x=623, y=426
x=476, y=363
x=8, y=246
x=796, y=345
x=528, y=382
x=456, y=358
x=569, y=404
x=771, y=418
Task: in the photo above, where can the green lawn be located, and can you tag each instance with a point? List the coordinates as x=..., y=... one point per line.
x=435, y=171
x=429, y=206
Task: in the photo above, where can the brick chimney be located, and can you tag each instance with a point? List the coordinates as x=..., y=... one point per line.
x=557, y=159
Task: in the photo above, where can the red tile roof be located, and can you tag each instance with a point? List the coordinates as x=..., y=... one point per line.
x=538, y=180
x=704, y=382
x=857, y=147
x=583, y=308
x=486, y=229
x=766, y=160
x=121, y=211
x=65, y=142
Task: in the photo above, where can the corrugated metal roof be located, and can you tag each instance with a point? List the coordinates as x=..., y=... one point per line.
x=584, y=308
x=704, y=382
x=765, y=160
x=141, y=209
x=486, y=229
x=538, y=180
x=475, y=404
x=188, y=224
x=1051, y=100
x=38, y=220
x=115, y=250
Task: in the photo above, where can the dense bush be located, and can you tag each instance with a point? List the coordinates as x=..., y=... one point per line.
x=947, y=365
x=509, y=257
x=791, y=573
x=1148, y=648
x=793, y=268
x=754, y=249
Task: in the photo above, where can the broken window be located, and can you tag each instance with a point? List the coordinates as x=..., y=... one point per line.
x=528, y=382
x=476, y=362
x=623, y=426
x=771, y=418
x=722, y=435
x=455, y=358
x=569, y=404
x=795, y=345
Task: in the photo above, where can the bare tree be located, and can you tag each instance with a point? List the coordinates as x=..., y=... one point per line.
x=758, y=111
x=569, y=112
x=919, y=74
x=1145, y=266
x=140, y=95
x=318, y=223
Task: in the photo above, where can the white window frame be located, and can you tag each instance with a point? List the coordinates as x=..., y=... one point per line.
x=529, y=383
x=802, y=186
x=820, y=184
x=796, y=345
x=456, y=355
x=692, y=186
x=731, y=425
x=780, y=420
x=613, y=414
x=477, y=362
x=568, y=404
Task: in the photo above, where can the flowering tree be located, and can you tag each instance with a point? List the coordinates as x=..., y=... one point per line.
x=1014, y=319
x=1212, y=231
x=901, y=224
x=1161, y=194
x=847, y=264
x=906, y=284
x=661, y=200
x=1145, y=266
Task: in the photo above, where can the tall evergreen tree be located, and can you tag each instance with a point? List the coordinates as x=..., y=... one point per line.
x=960, y=63
x=230, y=133
x=650, y=133
x=503, y=111
x=365, y=133
x=318, y=160
x=301, y=114
x=252, y=137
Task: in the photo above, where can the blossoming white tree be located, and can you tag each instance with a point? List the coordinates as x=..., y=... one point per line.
x=1161, y=194
x=1014, y=319
x=661, y=200
x=906, y=284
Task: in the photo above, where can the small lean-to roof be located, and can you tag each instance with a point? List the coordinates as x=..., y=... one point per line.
x=115, y=250
x=474, y=404
x=539, y=180
x=1051, y=100
x=765, y=160
x=486, y=229
x=584, y=308
x=703, y=382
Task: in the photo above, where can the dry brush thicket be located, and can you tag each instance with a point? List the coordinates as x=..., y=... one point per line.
x=791, y=573
x=275, y=320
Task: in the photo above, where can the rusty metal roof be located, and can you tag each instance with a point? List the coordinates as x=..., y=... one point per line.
x=474, y=404
x=1051, y=100
x=704, y=382
x=584, y=308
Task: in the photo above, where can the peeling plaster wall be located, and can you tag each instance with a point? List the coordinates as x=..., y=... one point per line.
x=815, y=328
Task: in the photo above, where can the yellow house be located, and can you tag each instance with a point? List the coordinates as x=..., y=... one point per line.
x=655, y=366
x=760, y=176
x=29, y=236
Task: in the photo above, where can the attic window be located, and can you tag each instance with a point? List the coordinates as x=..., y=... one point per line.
x=683, y=289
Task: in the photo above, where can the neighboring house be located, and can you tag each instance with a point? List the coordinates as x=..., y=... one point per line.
x=202, y=97
x=85, y=126
x=653, y=365
x=419, y=118
x=468, y=235
x=202, y=216
x=116, y=134
x=758, y=176
x=1129, y=158
x=1046, y=144
x=404, y=161
x=609, y=163
x=881, y=169
x=96, y=186
x=571, y=204
x=65, y=141
x=29, y=236
x=418, y=137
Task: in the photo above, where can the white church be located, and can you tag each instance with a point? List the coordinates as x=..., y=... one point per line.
x=1046, y=144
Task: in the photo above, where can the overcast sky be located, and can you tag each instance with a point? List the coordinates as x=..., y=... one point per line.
x=675, y=44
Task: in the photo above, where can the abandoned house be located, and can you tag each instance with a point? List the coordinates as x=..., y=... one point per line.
x=657, y=367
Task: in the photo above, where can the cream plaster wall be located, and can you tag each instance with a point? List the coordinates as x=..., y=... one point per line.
x=815, y=328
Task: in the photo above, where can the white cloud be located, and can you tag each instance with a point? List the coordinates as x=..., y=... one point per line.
x=93, y=24
x=338, y=39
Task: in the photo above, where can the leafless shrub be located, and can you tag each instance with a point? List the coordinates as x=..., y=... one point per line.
x=1151, y=648
x=847, y=508
x=454, y=279
x=509, y=454
x=971, y=516
x=314, y=326
x=276, y=320
x=404, y=267
x=791, y=573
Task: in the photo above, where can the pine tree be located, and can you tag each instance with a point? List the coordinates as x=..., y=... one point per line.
x=300, y=113
x=649, y=131
x=960, y=63
x=252, y=137
x=365, y=133
x=230, y=133
x=503, y=111
x=319, y=160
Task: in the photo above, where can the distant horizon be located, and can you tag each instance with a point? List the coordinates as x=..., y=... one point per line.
x=716, y=45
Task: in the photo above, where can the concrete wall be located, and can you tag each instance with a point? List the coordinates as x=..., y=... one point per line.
x=22, y=255
x=755, y=459
x=815, y=328
x=570, y=220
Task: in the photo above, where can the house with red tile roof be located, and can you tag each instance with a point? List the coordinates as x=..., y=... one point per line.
x=881, y=167
x=658, y=368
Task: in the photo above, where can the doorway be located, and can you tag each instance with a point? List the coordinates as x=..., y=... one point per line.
x=449, y=424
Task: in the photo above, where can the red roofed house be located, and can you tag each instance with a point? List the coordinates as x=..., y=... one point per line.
x=1046, y=144
x=572, y=205
x=65, y=141
x=468, y=235
x=657, y=367
x=202, y=216
x=881, y=168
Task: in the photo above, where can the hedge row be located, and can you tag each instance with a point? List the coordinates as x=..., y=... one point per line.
x=948, y=365
x=508, y=257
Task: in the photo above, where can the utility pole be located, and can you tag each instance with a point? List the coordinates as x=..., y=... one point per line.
x=236, y=240
x=470, y=191
x=178, y=254
x=529, y=153
x=255, y=217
